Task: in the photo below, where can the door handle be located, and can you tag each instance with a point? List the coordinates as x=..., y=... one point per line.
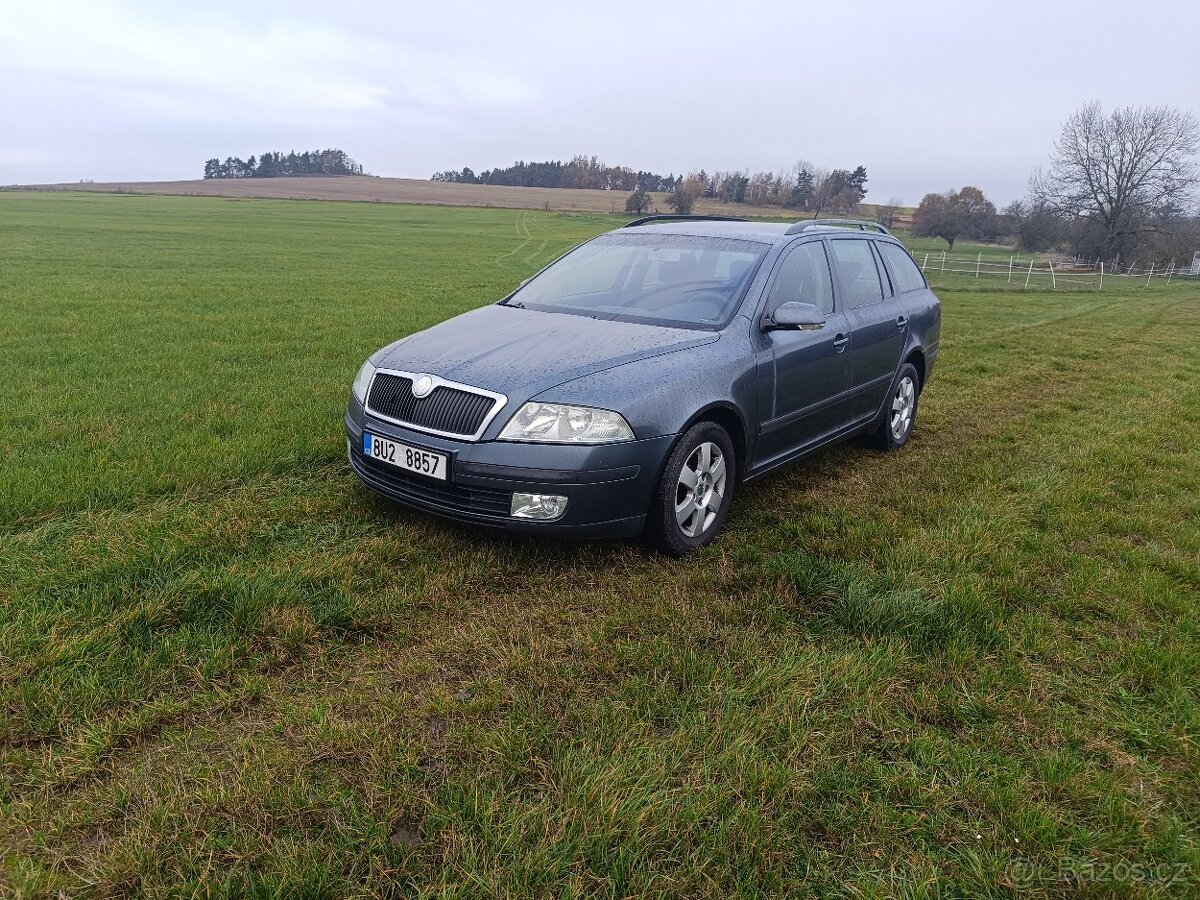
x=839, y=342
x=902, y=322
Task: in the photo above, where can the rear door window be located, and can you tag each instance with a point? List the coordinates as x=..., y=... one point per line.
x=904, y=271
x=858, y=275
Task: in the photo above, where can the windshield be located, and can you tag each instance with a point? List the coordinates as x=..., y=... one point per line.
x=662, y=279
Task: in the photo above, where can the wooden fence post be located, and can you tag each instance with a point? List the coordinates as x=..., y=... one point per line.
x=1010, y=262
x=924, y=264
x=1053, y=285
x=943, y=262
x=1029, y=275
x=1151, y=275
x=978, y=260
x=1101, y=274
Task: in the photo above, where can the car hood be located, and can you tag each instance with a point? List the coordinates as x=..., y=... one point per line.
x=522, y=352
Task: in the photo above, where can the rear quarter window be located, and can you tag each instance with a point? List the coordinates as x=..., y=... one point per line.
x=904, y=271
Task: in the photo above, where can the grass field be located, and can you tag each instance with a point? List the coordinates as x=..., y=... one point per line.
x=960, y=670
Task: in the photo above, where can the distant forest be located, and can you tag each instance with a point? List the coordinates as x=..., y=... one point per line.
x=274, y=165
x=804, y=186
x=580, y=172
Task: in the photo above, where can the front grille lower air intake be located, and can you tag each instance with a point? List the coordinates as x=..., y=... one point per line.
x=447, y=409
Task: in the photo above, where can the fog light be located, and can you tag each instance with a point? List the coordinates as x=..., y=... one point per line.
x=538, y=506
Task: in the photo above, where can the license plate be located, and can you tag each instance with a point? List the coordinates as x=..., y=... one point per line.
x=403, y=456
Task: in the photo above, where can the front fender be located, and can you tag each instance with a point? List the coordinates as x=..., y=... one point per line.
x=663, y=394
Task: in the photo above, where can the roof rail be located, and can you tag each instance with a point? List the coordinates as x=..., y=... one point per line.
x=669, y=218
x=861, y=224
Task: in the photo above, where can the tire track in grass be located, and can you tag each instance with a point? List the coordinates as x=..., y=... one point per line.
x=838, y=476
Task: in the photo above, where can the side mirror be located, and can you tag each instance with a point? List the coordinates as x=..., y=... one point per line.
x=795, y=317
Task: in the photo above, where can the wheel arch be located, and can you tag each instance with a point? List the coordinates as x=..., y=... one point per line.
x=730, y=418
x=916, y=356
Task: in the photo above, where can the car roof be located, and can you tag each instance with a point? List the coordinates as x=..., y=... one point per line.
x=764, y=232
x=767, y=232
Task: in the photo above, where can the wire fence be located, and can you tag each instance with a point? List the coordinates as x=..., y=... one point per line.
x=1067, y=272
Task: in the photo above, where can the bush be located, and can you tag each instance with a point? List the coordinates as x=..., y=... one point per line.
x=638, y=202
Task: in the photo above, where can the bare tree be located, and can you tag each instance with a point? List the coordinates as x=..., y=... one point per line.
x=1034, y=225
x=1114, y=172
x=758, y=189
x=889, y=212
x=827, y=189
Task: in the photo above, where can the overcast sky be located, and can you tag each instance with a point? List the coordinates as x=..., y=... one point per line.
x=927, y=96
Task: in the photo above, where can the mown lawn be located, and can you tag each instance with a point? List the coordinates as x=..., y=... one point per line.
x=969, y=668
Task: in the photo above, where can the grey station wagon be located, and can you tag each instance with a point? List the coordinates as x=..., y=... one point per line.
x=630, y=386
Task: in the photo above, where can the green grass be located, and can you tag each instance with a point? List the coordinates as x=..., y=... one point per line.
x=225, y=669
x=962, y=248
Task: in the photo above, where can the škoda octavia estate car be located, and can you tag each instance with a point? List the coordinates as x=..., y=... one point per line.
x=632, y=385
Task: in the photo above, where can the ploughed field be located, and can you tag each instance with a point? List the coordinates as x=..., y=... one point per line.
x=373, y=189
x=967, y=668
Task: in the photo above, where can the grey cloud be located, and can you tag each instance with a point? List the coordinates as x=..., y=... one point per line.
x=927, y=95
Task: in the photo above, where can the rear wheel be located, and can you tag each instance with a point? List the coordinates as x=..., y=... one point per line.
x=695, y=491
x=900, y=412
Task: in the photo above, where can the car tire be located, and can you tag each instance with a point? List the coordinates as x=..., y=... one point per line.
x=899, y=411
x=694, y=493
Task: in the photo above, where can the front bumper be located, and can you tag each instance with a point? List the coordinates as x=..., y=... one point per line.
x=608, y=486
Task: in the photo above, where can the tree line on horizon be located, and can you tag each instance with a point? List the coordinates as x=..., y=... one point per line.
x=273, y=164
x=580, y=172
x=1119, y=186
x=805, y=186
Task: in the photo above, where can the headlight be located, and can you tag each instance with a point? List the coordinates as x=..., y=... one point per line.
x=363, y=381
x=554, y=423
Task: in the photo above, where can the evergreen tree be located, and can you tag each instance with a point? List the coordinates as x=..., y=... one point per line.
x=802, y=191
x=272, y=164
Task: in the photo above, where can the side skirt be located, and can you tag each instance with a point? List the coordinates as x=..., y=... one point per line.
x=836, y=437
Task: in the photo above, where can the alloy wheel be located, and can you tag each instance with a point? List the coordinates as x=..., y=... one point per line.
x=701, y=489
x=904, y=404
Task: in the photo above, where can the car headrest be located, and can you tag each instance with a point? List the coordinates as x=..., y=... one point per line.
x=682, y=269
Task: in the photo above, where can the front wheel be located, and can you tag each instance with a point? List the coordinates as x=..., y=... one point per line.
x=695, y=491
x=900, y=411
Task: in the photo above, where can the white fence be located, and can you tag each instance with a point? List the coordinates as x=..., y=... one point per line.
x=1065, y=271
